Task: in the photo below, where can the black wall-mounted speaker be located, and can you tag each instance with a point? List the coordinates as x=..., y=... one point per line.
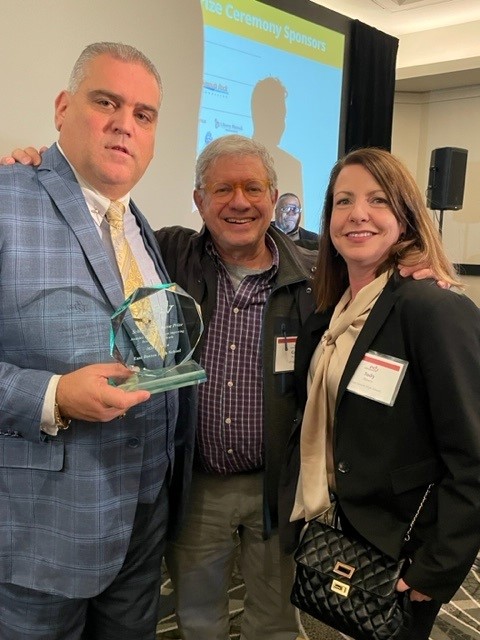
x=446, y=178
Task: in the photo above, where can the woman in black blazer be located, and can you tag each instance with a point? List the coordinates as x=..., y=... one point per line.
x=389, y=375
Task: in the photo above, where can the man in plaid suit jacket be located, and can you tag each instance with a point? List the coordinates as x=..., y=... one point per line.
x=86, y=468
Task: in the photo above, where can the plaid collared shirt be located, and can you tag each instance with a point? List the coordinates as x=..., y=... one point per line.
x=230, y=415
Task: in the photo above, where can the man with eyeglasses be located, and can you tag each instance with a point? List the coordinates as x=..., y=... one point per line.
x=254, y=287
x=288, y=213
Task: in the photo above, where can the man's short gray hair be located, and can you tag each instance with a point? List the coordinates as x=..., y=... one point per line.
x=234, y=145
x=119, y=51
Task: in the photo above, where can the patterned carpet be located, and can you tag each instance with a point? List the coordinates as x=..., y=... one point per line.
x=458, y=620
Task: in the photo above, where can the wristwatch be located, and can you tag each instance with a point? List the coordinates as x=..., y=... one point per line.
x=60, y=422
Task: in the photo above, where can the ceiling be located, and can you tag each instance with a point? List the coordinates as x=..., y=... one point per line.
x=399, y=17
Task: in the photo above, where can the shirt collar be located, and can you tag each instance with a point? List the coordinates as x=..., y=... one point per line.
x=269, y=241
x=96, y=202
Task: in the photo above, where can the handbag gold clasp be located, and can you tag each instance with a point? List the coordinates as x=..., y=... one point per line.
x=344, y=570
x=340, y=587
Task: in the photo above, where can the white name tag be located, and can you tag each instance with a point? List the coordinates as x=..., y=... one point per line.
x=284, y=353
x=378, y=377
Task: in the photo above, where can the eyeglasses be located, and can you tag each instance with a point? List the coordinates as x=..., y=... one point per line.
x=291, y=208
x=253, y=190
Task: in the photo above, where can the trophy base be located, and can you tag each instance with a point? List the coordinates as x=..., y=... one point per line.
x=159, y=380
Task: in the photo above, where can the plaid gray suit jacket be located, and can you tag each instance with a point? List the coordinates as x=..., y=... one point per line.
x=67, y=503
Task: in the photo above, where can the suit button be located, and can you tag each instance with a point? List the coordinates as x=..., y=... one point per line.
x=133, y=442
x=343, y=466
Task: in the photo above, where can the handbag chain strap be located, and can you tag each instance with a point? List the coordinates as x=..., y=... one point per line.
x=420, y=507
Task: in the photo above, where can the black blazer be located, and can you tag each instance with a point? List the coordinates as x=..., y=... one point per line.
x=386, y=456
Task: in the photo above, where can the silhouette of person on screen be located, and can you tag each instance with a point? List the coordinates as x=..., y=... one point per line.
x=269, y=111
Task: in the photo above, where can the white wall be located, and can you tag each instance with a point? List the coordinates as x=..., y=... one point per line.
x=39, y=43
x=423, y=122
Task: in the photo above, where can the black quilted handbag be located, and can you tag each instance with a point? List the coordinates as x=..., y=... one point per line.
x=350, y=585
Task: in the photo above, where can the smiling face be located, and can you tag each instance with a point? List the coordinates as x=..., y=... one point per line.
x=107, y=127
x=238, y=227
x=363, y=226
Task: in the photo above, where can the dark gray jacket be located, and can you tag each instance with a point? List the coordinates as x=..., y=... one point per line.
x=290, y=303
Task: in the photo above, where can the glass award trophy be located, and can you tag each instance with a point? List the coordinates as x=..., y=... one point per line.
x=154, y=333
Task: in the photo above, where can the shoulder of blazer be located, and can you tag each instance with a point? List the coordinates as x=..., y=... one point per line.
x=396, y=293
x=54, y=175
x=317, y=324
x=54, y=164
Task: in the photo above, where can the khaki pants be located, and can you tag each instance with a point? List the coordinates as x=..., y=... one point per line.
x=224, y=512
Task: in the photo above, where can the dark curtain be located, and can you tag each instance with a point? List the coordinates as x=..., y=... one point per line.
x=373, y=56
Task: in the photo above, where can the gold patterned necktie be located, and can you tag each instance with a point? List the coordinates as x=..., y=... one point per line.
x=142, y=311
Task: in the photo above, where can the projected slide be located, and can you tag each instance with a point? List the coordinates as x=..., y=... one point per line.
x=277, y=78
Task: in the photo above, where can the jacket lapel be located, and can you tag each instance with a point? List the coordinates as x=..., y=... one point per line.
x=60, y=183
x=373, y=324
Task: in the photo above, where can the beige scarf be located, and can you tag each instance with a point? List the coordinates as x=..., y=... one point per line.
x=312, y=496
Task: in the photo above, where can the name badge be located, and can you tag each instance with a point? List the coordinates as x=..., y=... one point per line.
x=378, y=377
x=284, y=353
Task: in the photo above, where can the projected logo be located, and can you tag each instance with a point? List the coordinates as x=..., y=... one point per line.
x=216, y=88
x=230, y=127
